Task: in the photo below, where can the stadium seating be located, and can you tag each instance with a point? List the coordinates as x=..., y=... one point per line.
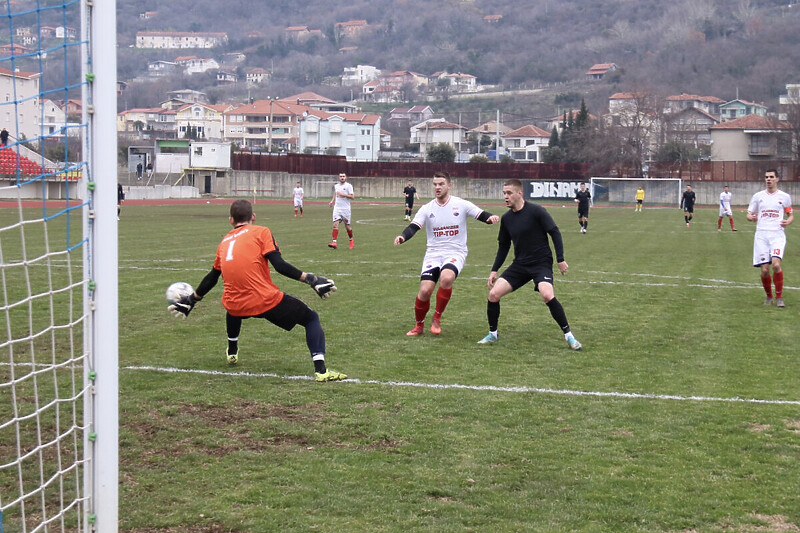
x=10, y=163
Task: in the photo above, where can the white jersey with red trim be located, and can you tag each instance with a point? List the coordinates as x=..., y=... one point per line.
x=446, y=225
x=770, y=208
x=342, y=202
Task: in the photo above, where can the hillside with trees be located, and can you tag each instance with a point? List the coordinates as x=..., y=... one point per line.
x=694, y=46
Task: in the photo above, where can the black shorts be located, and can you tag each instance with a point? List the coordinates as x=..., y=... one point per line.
x=583, y=213
x=289, y=312
x=409, y=203
x=518, y=275
x=689, y=209
x=434, y=273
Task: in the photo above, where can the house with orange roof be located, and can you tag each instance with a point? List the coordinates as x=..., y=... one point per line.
x=492, y=18
x=351, y=28
x=525, y=144
x=357, y=136
x=255, y=125
x=256, y=76
x=599, y=70
x=148, y=123
x=751, y=138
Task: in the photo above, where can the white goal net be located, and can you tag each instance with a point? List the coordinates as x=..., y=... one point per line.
x=58, y=267
x=659, y=192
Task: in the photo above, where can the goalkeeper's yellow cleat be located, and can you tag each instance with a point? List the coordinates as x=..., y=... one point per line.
x=232, y=358
x=330, y=375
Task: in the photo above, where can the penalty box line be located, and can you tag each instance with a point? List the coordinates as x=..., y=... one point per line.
x=491, y=388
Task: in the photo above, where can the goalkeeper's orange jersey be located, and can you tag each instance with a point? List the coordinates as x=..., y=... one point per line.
x=249, y=290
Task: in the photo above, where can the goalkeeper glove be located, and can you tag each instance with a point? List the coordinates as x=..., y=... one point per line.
x=184, y=306
x=321, y=285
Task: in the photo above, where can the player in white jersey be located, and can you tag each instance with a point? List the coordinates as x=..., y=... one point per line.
x=445, y=222
x=342, y=194
x=297, y=195
x=725, y=208
x=772, y=210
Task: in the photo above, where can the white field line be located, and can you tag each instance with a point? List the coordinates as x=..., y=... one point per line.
x=671, y=281
x=491, y=388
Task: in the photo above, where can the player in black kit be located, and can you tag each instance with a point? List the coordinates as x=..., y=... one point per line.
x=687, y=203
x=583, y=198
x=527, y=225
x=410, y=192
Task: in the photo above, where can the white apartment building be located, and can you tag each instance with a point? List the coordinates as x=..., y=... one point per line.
x=26, y=87
x=357, y=136
x=359, y=75
x=180, y=39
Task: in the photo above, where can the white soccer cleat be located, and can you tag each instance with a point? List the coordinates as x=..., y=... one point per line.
x=488, y=339
x=573, y=343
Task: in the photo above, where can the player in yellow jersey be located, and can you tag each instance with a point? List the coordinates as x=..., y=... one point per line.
x=639, y=198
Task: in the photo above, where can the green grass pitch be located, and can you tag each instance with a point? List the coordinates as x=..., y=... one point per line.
x=650, y=427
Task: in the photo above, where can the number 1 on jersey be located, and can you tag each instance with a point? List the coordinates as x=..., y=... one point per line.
x=229, y=255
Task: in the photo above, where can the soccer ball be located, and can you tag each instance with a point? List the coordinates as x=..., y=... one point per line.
x=178, y=290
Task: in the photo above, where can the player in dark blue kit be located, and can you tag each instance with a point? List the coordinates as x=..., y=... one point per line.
x=687, y=203
x=584, y=199
x=526, y=225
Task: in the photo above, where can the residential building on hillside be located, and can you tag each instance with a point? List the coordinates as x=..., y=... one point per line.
x=189, y=96
x=319, y=102
x=599, y=70
x=412, y=115
x=359, y=75
x=456, y=82
x=493, y=19
x=751, y=138
x=196, y=65
x=148, y=123
x=356, y=136
x=435, y=131
x=789, y=103
x=709, y=104
x=180, y=39
x=55, y=123
x=202, y=121
x=257, y=124
x=525, y=144
x=351, y=28
x=689, y=126
x=256, y=76
x=490, y=128
x=227, y=76
x=739, y=108
x=21, y=120
x=158, y=69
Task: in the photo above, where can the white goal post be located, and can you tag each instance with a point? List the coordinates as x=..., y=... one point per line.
x=59, y=420
x=659, y=192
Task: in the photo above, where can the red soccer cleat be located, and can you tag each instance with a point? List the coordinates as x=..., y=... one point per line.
x=352, y=243
x=332, y=245
x=436, y=326
x=418, y=330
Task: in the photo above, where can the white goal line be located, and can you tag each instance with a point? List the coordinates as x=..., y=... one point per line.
x=491, y=388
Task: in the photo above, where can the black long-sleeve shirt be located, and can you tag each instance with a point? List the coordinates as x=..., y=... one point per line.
x=528, y=229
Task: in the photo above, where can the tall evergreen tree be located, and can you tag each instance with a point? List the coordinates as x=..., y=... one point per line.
x=553, y=142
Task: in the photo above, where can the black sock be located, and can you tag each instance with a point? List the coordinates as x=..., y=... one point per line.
x=233, y=346
x=558, y=314
x=493, y=314
x=319, y=366
x=585, y=224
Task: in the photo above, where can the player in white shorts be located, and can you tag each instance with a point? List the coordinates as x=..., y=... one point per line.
x=772, y=210
x=445, y=221
x=725, y=208
x=297, y=195
x=342, y=194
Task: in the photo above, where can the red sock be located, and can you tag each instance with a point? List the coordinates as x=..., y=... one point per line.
x=719, y=223
x=766, y=281
x=334, y=234
x=442, y=297
x=295, y=212
x=731, y=219
x=777, y=277
x=421, y=309
x=350, y=233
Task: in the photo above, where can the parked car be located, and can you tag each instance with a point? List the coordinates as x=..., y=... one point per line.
x=408, y=155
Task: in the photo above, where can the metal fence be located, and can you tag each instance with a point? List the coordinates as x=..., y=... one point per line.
x=730, y=171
